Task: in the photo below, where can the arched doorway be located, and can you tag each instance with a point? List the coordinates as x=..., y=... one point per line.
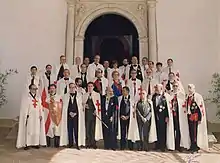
x=113, y=37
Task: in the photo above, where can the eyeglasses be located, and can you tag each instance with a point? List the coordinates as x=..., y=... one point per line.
x=175, y=85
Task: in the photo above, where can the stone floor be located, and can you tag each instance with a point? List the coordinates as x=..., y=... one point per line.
x=8, y=154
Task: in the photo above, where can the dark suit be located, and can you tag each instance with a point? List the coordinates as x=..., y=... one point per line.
x=72, y=123
x=161, y=113
x=193, y=120
x=110, y=109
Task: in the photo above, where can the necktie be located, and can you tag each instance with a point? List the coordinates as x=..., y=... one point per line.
x=48, y=78
x=65, y=90
x=78, y=69
x=60, y=74
x=106, y=73
x=32, y=80
x=100, y=83
x=169, y=69
x=149, y=88
x=134, y=88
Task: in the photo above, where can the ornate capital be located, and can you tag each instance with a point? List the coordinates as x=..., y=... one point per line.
x=151, y=3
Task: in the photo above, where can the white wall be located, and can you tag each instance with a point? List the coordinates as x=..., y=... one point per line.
x=187, y=31
x=31, y=32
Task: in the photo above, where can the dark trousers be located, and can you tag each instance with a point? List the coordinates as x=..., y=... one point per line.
x=56, y=141
x=161, y=134
x=106, y=132
x=90, y=121
x=72, y=126
x=193, y=128
x=143, y=129
x=177, y=133
x=124, y=124
x=48, y=141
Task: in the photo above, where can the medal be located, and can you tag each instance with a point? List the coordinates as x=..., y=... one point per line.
x=161, y=106
x=160, y=110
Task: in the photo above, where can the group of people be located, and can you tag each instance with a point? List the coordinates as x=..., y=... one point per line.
x=134, y=106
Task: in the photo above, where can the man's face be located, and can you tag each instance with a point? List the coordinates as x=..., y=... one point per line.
x=48, y=69
x=142, y=95
x=52, y=90
x=33, y=71
x=90, y=87
x=86, y=61
x=33, y=89
x=106, y=64
x=99, y=73
x=170, y=63
x=62, y=59
x=159, y=67
x=83, y=68
x=171, y=77
x=79, y=83
x=110, y=92
x=175, y=87
x=144, y=61
x=97, y=59
x=66, y=73
x=72, y=88
x=115, y=75
x=78, y=60
x=133, y=74
x=125, y=62
x=149, y=73
x=115, y=65
x=190, y=89
x=151, y=65
x=158, y=89
x=124, y=92
x=134, y=60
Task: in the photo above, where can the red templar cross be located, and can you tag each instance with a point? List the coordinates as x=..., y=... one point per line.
x=98, y=105
x=34, y=103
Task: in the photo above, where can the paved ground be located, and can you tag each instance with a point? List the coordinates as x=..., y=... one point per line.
x=8, y=154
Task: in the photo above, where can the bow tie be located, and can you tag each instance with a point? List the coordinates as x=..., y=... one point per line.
x=66, y=78
x=73, y=94
x=133, y=79
x=135, y=65
x=83, y=73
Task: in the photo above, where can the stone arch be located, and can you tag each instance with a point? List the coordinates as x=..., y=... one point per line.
x=109, y=9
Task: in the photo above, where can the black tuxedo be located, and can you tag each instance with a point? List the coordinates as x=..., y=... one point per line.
x=161, y=113
x=193, y=120
x=72, y=123
x=110, y=109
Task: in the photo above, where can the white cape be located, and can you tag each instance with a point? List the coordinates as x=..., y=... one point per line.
x=98, y=125
x=33, y=133
x=183, y=122
x=202, y=136
x=81, y=121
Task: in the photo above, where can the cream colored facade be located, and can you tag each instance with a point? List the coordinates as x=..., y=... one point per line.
x=142, y=13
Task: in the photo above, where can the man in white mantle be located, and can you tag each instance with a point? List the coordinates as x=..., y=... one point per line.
x=31, y=130
x=93, y=125
x=73, y=119
x=93, y=67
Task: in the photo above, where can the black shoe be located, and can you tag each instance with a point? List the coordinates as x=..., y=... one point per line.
x=70, y=146
x=36, y=147
x=26, y=148
x=77, y=147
